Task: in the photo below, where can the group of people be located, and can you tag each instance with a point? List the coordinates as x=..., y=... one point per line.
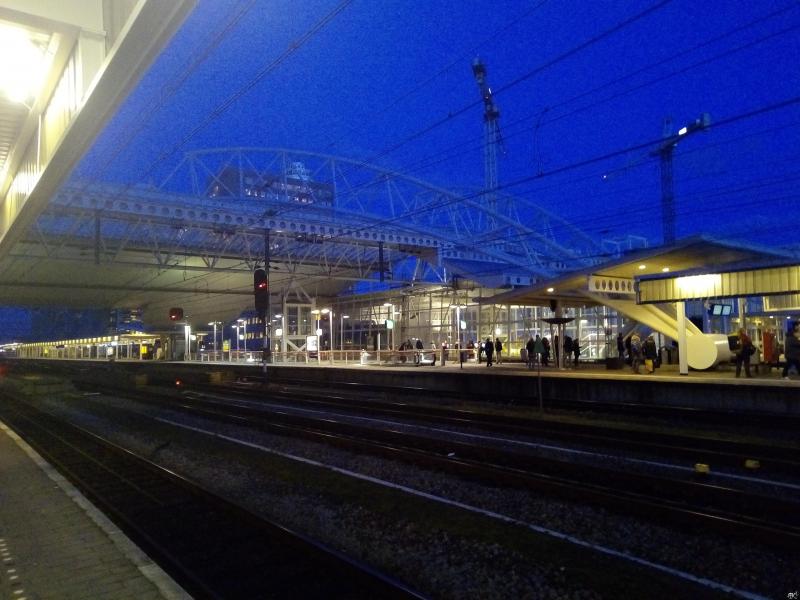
x=642, y=353
x=638, y=352
x=492, y=350
x=540, y=348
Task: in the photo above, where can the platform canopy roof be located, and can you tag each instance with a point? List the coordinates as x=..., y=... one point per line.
x=619, y=277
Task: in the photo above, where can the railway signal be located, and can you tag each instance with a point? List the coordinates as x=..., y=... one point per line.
x=261, y=290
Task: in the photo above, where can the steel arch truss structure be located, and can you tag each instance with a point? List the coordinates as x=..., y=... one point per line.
x=541, y=243
x=331, y=222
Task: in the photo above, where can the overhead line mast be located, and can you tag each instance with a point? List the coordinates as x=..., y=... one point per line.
x=491, y=138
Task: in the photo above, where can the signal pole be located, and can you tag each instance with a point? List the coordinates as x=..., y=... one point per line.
x=267, y=345
x=664, y=152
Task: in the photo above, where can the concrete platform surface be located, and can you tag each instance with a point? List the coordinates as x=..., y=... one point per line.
x=54, y=544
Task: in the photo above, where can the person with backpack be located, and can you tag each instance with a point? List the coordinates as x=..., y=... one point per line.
x=745, y=350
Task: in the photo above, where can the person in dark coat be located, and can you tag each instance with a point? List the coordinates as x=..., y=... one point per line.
x=488, y=349
x=650, y=352
x=576, y=351
x=620, y=345
x=792, y=351
x=498, y=348
x=531, y=349
x=546, y=352
x=743, y=353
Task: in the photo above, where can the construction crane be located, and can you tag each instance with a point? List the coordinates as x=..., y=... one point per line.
x=491, y=138
x=664, y=151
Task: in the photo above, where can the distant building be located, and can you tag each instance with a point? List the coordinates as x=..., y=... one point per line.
x=124, y=320
x=295, y=185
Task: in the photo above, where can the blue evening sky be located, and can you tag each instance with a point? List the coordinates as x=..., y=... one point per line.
x=389, y=82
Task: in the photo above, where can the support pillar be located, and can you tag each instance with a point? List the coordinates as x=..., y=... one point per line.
x=742, y=308
x=683, y=350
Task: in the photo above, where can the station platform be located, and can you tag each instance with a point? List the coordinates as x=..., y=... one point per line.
x=54, y=544
x=510, y=382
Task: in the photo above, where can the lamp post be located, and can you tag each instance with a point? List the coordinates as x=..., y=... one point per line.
x=243, y=323
x=214, y=325
x=461, y=326
x=341, y=330
x=390, y=305
x=187, y=355
x=330, y=328
x=317, y=330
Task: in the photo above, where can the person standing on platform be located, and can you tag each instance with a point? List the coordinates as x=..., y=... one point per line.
x=635, y=353
x=650, y=352
x=620, y=345
x=530, y=347
x=792, y=351
x=488, y=348
x=743, y=354
x=576, y=351
x=498, y=348
x=545, y=352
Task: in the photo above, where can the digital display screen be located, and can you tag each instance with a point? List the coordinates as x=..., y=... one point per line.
x=721, y=310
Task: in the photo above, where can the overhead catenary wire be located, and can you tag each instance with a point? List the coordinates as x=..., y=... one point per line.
x=459, y=150
x=595, y=159
x=525, y=76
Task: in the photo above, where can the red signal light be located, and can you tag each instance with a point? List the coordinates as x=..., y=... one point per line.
x=261, y=289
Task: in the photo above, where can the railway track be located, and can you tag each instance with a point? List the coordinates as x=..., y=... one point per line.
x=683, y=503
x=211, y=546
x=689, y=450
x=701, y=416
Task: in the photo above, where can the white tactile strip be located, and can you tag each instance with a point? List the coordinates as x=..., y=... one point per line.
x=168, y=588
x=9, y=576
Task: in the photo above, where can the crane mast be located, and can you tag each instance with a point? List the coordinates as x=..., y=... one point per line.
x=491, y=139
